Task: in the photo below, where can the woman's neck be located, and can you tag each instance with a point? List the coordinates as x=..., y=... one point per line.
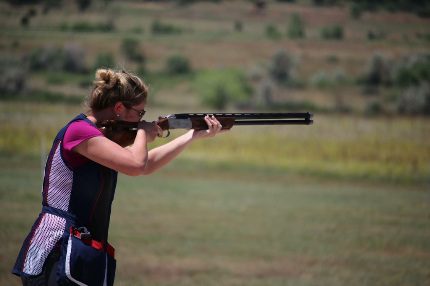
x=101, y=115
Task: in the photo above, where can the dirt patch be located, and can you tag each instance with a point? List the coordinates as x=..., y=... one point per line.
x=175, y=269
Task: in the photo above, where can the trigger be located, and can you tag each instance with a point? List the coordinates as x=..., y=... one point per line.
x=165, y=135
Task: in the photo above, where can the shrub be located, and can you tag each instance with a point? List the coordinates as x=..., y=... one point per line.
x=25, y=21
x=355, y=10
x=340, y=77
x=372, y=35
x=296, y=28
x=32, y=12
x=238, y=26
x=105, y=60
x=178, y=64
x=412, y=70
x=130, y=48
x=334, y=32
x=80, y=27
x=255, y=74
x=12, y=78
x=185, y=2
x=332, y=59
x=157, y=27
x=282, y=67
x=83, y=4
x=272, y=32
x=415, y=100
x=321, y=80
x=259, y=5
x=87, y=27
x=378, y=71
x=327, y=80
x=71, y=58
x=48, y=5
x=221, y=88
x=189, y=2
x=56, y=78
x=264, y=94
x=423, y=36
x=137, y=30
x=74, y=58
x=45, y=58
x=325, y=2
x=141, y=70
x=373, y=108
x=219, y=100
x=419, y=7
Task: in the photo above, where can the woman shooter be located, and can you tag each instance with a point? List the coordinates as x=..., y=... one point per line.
x=68, y=243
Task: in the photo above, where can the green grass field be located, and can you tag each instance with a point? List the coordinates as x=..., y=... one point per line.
x=194, y=224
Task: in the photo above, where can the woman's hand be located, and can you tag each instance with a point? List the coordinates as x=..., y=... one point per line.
x=151, y=129
x=214, y=127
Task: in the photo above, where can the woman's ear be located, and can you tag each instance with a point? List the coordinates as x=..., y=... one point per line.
x=118, y=108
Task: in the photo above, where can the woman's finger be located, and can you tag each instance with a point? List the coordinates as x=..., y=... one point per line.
x=209, y=122
x=159, y=131
x=217, y=123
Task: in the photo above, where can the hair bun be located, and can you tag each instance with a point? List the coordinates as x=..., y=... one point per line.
x=112, y=86
x=106, y=79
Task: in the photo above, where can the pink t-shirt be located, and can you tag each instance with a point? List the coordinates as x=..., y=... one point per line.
x=76, y=133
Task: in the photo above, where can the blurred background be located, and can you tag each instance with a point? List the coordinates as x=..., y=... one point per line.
x=345, y=200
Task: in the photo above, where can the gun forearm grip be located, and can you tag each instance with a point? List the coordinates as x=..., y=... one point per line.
x=199, y=123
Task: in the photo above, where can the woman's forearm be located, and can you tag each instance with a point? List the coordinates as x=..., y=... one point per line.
x=160, y=156
x=139, y=149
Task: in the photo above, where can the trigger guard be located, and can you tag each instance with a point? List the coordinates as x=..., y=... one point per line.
x=167, y=135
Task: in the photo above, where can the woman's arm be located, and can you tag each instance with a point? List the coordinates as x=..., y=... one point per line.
x=130, y=161
x=161, y=156
x=136, y=160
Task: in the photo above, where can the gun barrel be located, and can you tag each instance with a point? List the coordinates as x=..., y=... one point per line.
x=238, y=116
x=228, y=120
x=274, y=122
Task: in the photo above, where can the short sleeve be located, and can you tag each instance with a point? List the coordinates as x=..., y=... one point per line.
x=77, y=132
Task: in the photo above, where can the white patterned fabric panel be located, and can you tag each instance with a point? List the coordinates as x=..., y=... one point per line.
x=45, y=236
x=60, y=183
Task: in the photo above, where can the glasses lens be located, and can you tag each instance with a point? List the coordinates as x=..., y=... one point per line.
x=140, y=112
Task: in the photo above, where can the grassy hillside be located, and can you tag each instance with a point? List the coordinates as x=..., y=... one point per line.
x=206, y=34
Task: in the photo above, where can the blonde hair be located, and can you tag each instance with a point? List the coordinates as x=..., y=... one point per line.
x=112, y=86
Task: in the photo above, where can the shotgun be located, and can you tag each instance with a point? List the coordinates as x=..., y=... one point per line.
x=228, y=120
x=123, y=132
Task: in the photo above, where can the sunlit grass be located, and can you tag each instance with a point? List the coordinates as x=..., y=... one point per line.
x=360, y=148
x=393, y=149
x=192, y=224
